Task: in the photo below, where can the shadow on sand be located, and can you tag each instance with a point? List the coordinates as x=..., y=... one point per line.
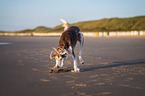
x=117, y=64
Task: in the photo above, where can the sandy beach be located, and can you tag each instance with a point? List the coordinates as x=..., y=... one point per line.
x=113, y=67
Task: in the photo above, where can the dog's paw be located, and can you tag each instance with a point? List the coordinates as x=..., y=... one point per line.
x=82, y=62
x=77, y=70
x=56, y=66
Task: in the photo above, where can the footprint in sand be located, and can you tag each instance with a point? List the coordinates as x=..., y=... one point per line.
x=93, y=76
x=95, y=80
x=44, y=80
x=77, y=93
x=104, y=93
x=129, y=79
x=82, y=94
x=72, y=81
x=35, y=69
x=81, y=85
x=54, y=77
x=100, y=83
x=76, y=86
x=124, y=85
x=103, y=74
x=136, y=87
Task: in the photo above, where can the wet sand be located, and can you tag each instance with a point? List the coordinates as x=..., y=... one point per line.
x=113, y=67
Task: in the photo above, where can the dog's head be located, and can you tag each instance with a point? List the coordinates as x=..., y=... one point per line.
x=58, y=54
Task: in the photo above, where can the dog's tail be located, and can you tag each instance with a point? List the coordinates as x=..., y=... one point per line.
x=65, y=24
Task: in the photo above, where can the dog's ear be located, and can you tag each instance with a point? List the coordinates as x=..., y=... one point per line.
x=52, y=55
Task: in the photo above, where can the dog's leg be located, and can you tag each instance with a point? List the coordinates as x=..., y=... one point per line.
x=81, y=40
x=76, y=69
x=62, y=62
x=57, y=65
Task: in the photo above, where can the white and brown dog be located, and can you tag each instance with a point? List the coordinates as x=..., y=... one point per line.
x=67, y=43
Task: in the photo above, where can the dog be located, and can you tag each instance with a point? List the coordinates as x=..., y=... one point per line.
x=66, y=45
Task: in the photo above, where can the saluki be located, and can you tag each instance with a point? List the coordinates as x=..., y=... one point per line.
x=67, y=43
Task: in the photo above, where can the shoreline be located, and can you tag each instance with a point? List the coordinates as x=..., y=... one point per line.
x=86, y=34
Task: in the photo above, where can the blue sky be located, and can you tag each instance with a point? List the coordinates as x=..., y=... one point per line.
x=28, y=14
